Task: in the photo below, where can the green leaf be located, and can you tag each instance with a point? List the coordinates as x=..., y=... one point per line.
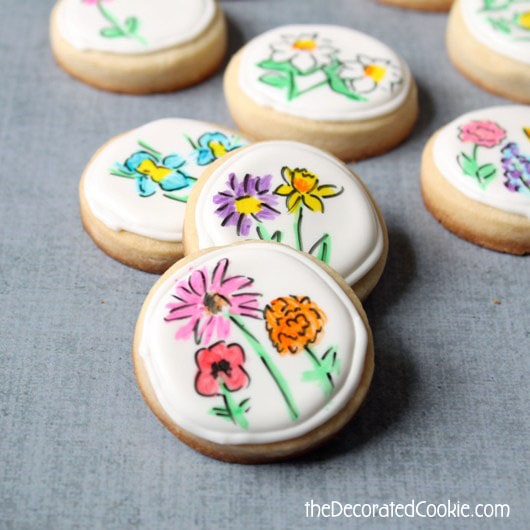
x=112, y=33
x=284, y=66
x=330, y=361
x=322, y=248
x=264, y=234
x=275, y=80
x=132, y=25
x=221, y=412
x=487, y=172
x=337, y=84
x=501, y=24
x=469, y=165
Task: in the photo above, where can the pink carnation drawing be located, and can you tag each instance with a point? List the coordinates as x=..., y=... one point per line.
x=482, y=133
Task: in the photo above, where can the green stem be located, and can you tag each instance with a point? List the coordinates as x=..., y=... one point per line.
x=474, y=157
x=281, y=383
x=293, y=89
x=115, y=22
x=237, y=415
x=297, y=227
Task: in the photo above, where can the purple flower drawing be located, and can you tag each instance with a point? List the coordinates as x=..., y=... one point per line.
x=243, y=202
x=516, y=168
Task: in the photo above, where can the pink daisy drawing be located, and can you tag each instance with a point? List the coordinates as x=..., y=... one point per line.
x=206, y=302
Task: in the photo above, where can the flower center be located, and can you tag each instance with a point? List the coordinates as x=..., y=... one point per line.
x=527, y=132
x=157, y=173
x=218, y=149
x=303, y=183
x=524, y=20
x=222, y=366
x=306, y=45
x=377, y=73
x=214, y=302
x=248, y=205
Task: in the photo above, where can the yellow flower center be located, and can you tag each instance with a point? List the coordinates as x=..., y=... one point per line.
x=527, y=132
x=524, y=20
x=303, y=182
x=248, y=205
x=157, y=173
x=218, y=149
x=306, y=45
x=377, y=73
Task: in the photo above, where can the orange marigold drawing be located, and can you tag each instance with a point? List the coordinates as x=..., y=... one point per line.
x=293, y=322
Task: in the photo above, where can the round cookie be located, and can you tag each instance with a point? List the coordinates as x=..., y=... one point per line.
x=475, y=177
x=328, y=86
x=134, y=191
x=253, y=352
x=138, y=47
x=295, y=194
x=425, y=5
x=489, y=42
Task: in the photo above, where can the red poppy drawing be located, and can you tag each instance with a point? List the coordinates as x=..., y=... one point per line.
x=220, y=364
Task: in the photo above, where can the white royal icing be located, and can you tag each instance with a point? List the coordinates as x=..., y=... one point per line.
x=122, y=195
x=486, y=155
x=337, y=205
x=501, y=25
x=335, y=73
x=132, y=26
x=176, y=377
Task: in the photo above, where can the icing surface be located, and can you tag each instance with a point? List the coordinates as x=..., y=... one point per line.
x=502, y=25
x=238, y=355
x=486, y=155
x=295, y=194
x=140, y=181
x=323, y=72
x=132, y=26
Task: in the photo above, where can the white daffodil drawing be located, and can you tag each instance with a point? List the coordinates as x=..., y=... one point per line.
x=305, y=51
x=365, y=74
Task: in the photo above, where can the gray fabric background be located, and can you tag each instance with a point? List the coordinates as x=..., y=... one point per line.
x=447, y=415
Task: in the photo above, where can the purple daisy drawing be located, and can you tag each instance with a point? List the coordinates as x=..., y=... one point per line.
x=244, y=201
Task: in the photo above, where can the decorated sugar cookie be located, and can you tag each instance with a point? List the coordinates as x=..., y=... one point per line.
x=252, y=352
x=135, y=189
x=489, y=42
x=426, y=5
x=294, y=194
x=136, y=46
x=476, y=177
x=329, y=86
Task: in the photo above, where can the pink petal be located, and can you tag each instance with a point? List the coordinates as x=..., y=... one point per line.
x=186, y=331
x=198, y=282
x=219, y=274
x=207, y=330
x=183, y=292
x=180, y=311
x=233, y=284
x=223, y=327
x=244, y=299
